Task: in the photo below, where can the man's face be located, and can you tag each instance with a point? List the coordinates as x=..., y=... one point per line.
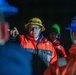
x=34, y=31
x=73, y=36
x=52, y=36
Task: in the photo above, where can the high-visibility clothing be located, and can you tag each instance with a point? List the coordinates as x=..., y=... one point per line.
x=43, y=52
x=42, y=48
x=68, y=69
x=59, y=49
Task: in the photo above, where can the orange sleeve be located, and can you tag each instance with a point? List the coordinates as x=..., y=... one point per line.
x=63, y=51
x=54, y=55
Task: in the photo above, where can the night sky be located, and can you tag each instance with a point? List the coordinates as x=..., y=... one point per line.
x=49, y=11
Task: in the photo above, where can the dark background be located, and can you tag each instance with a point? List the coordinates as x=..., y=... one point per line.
x=50, y=12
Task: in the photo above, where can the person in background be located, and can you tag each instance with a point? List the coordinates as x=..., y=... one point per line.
x=66, y=66
x=54, y=36
x=34, y=42
x=14, y=60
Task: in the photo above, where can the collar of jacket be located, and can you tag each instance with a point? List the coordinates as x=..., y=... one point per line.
x=30, y=38
x=41, y=38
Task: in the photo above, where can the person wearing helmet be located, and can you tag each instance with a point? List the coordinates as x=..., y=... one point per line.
x=66, y=66
x=34, y=42
x=54, y=37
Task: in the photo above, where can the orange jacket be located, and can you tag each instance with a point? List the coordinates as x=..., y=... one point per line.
x=42, y=48
x=59, y=49
x=68, y=69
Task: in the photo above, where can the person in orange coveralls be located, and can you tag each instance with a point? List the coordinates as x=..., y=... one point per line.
x=34, y=42
x=54, y=36
x=66, y=66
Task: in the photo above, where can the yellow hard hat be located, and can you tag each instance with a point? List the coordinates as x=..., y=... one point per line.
x=35, y=21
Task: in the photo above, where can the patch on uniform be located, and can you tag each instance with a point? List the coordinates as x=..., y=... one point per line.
x=46, y=42
x=48, y=52
x=62, y=62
